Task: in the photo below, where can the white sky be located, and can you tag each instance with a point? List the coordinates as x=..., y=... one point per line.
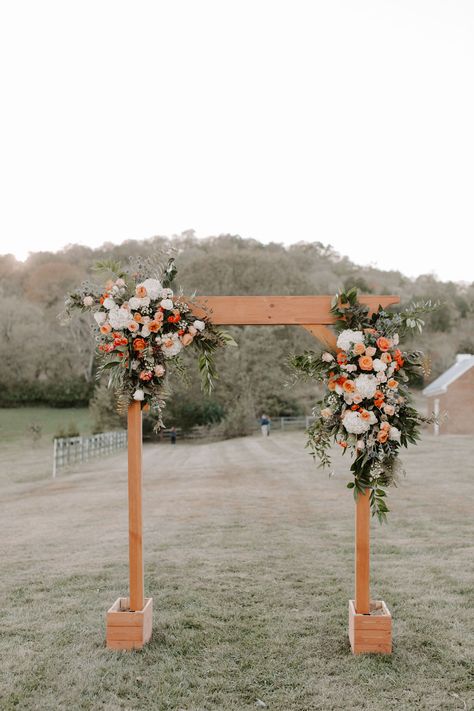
x=348, y=122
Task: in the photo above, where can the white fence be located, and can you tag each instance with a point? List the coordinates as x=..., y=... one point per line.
x=291, y=423
x=73, y=450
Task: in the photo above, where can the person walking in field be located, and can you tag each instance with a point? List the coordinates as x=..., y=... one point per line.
x=173, y=435
x=265, y=425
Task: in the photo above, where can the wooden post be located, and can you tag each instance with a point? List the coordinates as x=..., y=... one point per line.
x=135, y=542
x=362, y=553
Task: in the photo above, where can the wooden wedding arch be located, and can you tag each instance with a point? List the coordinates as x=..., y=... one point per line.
x=129, y=620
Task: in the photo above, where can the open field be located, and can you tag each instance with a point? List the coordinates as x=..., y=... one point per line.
x=15, y=421
x=248, y=556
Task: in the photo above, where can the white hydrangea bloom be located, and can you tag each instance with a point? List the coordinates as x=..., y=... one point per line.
x=379, y=365
x=347, y=338
x=100, y=317
x=119, y=318
x=136, y=303
x=366, y=385
x=354, y=424
x=153, y=288
x=394, y=434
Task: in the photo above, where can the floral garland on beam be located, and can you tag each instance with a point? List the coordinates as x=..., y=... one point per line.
x=141, y=328
x=367, y=408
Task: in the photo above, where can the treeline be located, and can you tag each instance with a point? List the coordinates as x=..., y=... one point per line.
x=46, y=362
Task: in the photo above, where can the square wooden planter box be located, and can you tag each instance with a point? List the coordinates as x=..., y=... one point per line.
x=128, y=630
x=371, y=633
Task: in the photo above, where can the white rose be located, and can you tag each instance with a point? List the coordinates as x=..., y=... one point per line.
x=166, y=304
x=360, y=444
x=88, y=301
x=109, y=303
x=327, y=357
x=167, y=294
x=100, y=317
x=381, y=377
x=396, y=339
x=394, y=434
x=379, y=365
x=200, y=325
x=138, y=395
x=145, y=331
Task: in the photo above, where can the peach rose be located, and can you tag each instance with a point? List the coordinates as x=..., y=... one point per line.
x=359, y=349
x=389, y=410
x=366, y=363
x=348, y=386
x=392, y=384
x=370, y=330
x=370, y=351
x=139, y=344
x=106, y=328
x=158, y=316
x=140, y=291
x=386, y=358
x=382, y=436
x=332, y=385
x=326, y=413
x=159, y=370
x=357, y=399
x=137, y=317
x=383, y=343
x=146, y=375
x=154, y=326
x=133, y=326
x=192, y=330
x=385, y=426
x=187, y=339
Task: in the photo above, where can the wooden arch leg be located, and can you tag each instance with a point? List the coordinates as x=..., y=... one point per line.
x=129, y=620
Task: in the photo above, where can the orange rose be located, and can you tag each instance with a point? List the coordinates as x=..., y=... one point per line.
x=382, y=436
x=386, y=358
x=392, y=384
x=137, y=317
x=383, y=343
x=331, y=385
x=342, y=444
x=140, y=291
x=365, y=363
x=139, y=344
x=378, y=403
x=359, y=349
x=379, y=395
x=106, y=328
x=341, y=358
x=187, y=339
x=154, y=326
x=348, y=386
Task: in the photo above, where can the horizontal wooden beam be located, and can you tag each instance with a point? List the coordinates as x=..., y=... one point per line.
x=276, y=310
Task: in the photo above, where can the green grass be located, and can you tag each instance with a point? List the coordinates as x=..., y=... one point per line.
x=249, y=559
x=15, y=421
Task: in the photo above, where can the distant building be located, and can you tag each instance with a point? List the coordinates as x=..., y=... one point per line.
x=453, y=393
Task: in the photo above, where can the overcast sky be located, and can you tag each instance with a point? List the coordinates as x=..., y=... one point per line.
x=347, y=122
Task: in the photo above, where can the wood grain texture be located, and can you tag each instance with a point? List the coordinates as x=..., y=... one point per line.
x=362, y=553
x=135, y=523
x=128, y=630
x=275, y=310
x=370, y=634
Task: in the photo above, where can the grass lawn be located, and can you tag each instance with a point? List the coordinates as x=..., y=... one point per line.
x=249, y=559
x=15, y=421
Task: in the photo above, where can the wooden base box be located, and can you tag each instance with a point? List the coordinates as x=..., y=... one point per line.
x=371, y=634
x=126, y=629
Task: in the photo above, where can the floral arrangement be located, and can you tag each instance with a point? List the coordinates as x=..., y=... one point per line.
x=142, y=327
x=367, y=408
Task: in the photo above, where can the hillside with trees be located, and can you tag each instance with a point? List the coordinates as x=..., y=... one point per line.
x=45, y=362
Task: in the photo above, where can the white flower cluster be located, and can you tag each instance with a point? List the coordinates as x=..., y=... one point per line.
x=355, y=424
x=366, y=385
x=347, y=338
